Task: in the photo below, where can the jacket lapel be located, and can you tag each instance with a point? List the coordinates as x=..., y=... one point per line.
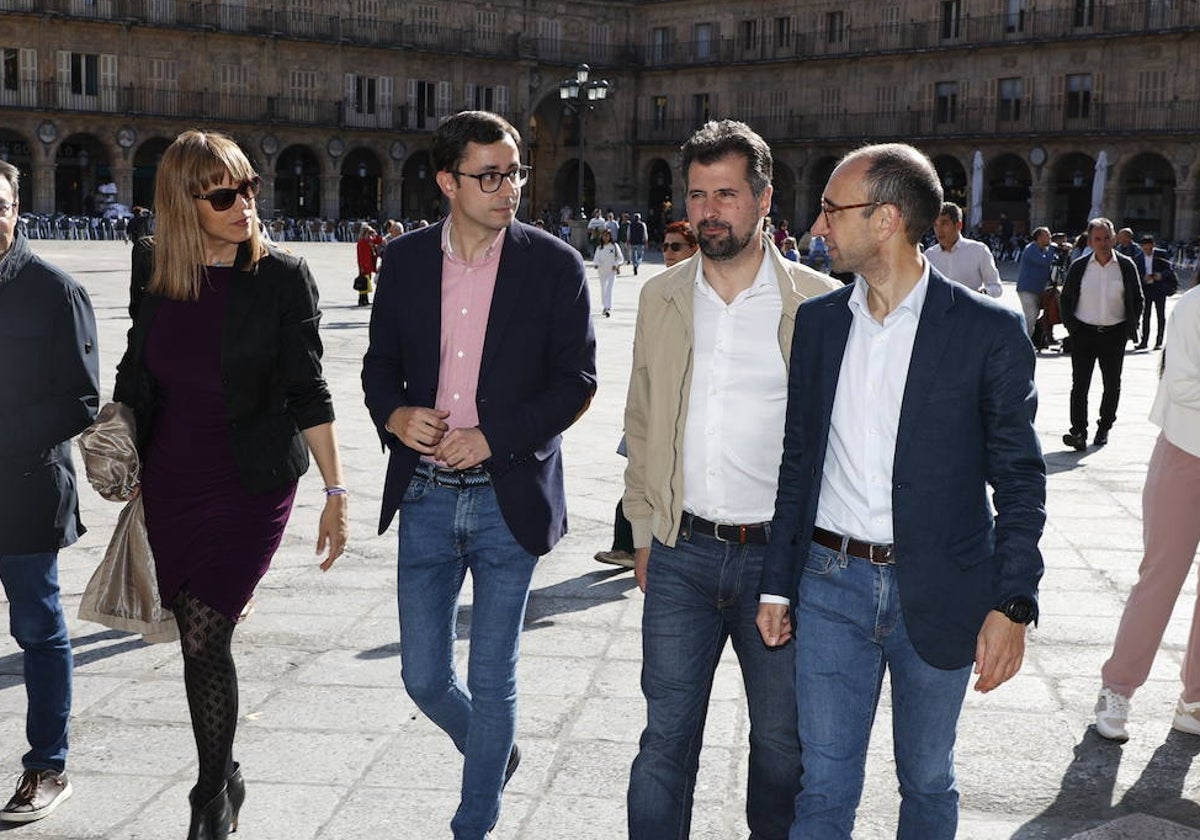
x=836, y=321
x=924, y=369
x=508, y=294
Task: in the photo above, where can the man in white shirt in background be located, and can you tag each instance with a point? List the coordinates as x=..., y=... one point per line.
x=704, y=427
x=965, y=260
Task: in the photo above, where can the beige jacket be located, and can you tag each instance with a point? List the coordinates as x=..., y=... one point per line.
x=661, y=380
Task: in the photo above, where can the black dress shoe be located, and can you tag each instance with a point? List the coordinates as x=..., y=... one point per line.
x=1076, y=442
x=1141, y=346
x=236, y=785
x=1101, y=438
x=210, y=821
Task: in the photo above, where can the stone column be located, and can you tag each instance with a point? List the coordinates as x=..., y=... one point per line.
x=43, y=187
x=331, y=196
x=1185, y=213
x=1039, y=206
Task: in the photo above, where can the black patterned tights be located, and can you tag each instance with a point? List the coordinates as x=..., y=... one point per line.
x=211, y=682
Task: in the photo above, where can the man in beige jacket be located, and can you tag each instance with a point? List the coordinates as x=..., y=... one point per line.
x=704, y=423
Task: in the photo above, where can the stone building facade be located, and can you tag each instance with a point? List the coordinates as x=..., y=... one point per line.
x=1042, y=110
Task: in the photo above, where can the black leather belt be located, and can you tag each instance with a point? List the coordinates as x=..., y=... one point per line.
x=1101, y=329
x=454, y=479
x=880, y=555
x=741, y=534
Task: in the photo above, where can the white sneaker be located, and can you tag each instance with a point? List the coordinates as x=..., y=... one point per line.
x=1112, y=710
x=1187, y=717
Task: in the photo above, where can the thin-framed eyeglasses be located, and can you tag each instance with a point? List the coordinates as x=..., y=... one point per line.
x=830, y=209
x=224, y=198
x=6, y=208
x=490, y=181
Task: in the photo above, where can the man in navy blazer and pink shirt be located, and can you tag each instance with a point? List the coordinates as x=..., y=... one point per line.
x=908, y=396
x=481, y=354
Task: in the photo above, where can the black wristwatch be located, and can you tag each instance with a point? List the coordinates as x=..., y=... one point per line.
x=1020, y=609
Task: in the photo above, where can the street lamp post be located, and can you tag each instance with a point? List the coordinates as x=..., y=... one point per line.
x=581, y=95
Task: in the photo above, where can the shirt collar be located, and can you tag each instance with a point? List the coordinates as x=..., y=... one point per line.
x=488, y=255
x=762, y=280
x=914, y=301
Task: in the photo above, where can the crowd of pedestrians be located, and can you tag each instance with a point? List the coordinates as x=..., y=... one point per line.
x=842, y=479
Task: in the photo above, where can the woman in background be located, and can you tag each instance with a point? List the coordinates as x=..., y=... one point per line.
x=607, y=260
x=223, y=371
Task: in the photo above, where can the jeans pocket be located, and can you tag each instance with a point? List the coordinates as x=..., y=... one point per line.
x=821, y=560
x=417, y=488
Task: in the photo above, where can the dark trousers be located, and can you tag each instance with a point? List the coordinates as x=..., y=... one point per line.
x=622, y=531
x=1089, y=345
x=1159, y=304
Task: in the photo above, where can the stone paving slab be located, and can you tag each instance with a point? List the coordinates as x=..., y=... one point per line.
x=333, y=749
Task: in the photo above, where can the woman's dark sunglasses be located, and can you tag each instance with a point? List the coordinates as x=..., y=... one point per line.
x=223, y=198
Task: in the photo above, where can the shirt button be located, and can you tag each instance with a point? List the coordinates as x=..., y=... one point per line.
x=456, y=396
x=460, y=354
x=464, y=311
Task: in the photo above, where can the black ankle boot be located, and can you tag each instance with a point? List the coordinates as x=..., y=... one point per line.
x=236, y=785
x=210, y=821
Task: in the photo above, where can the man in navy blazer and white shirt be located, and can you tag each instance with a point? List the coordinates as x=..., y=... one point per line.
x=481, y=354
x=908, y=395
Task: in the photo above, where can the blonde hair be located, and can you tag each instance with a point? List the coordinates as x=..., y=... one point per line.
x=194, y=163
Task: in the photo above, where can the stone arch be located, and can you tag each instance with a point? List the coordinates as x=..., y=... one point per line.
x=1008, y=185
x=360, y=189
x=659, y=195
x=420, y=196
x=298, y=182
x=81, y=165
x=1071, y=182
x=1146, y=196
x=145, y=168
x=953, y=176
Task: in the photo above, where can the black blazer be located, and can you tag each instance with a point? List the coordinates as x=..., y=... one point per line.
x=270, y=367
x=966, y=422
x=1160, y=265
x=1134, y=300
x=537, y=375
x=49, y=392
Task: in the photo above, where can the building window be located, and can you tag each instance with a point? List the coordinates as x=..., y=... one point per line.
x=702, y=110
x=427, y=103
x=783, y=32
x=660, y=45
x=1009, y=93
x=233, y=15
x=658, y=111
x=425, y=21
x=702, y=39
x=600, y=41
x=487, y=98
x=1085, y=12
x=946, y=102
x=889, y=20
x=1014, y=16
x=9, y=75
x=85, y=74
x=886, y=97
x=366, y=8
x=486, y=29
x=1079, y=96
x=748, y=35
x=951, y=17
x=87, y=80
x=835, y=27
x=549, y=36
x=365, y=95
x=232, y=78
x=831, y=101
x=744, y=105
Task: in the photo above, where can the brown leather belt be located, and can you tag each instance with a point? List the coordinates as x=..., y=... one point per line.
x=880, y=555
x=741, y=534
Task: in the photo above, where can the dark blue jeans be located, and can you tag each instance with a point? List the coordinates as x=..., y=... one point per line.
x=849, y=630
x=36, y=622
x=699, y=594
x=444, y=533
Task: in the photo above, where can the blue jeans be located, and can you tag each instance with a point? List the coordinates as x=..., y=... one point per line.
x=36, y=622
x=443, y=533
x=849, y=629
x=637, y=252
x=699, y=594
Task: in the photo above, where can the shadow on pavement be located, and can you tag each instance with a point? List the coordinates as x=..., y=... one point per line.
x=1085, y=797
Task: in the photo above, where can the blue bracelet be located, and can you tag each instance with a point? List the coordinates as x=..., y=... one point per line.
x=336, y=490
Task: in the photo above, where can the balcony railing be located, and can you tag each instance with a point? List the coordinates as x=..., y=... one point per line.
x=1108, y=118
x=1136, y=17
x=283, y=21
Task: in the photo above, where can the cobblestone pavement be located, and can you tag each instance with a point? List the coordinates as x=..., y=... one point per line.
x=333, y=749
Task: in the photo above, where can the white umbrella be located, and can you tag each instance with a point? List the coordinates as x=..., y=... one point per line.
x=1098, y=184
x=976, y=218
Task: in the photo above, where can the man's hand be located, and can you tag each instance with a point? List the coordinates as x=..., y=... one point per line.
x=774, y=624
x=462, y=449
x=999, y=651
x=420, y=429
x=641, y=559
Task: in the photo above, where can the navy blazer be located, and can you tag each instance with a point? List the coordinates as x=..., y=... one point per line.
x=537, y=375
x=966, y=422
x=1160, y=265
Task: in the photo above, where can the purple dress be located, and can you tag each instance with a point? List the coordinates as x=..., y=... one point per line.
x=208, y=534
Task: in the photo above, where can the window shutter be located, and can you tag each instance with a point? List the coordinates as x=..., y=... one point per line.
x=385, y=102
x=502, y=100
x=469, y=96
x=443, y=99
x=28, y=77
x=411, y=111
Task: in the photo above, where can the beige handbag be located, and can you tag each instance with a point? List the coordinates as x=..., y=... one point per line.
x=123, y=591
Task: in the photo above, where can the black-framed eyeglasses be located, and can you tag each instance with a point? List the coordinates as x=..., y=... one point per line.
x=675, y=246
x=224, y=198
x=831, y=209
x=489, y=182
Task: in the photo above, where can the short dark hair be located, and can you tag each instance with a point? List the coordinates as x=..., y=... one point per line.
x=949, y=208
x=11, y=174
x=903, y=176
x=1099, y=221
x=718, y=139
x=452, y=136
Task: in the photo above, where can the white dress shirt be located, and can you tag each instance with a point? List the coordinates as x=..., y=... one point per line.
x=968, y=262
x=733, y=434
x=1177, y=404
x=856, y=485
x=1101, y=294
